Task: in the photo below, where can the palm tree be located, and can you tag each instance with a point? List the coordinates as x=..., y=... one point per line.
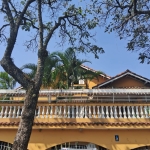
x=49, y=76
x=71, y=69
x=6, y=81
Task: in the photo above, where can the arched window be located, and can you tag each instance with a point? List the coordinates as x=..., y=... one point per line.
x=5, y=146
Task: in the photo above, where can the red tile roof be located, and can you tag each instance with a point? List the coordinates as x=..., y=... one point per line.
x=122, y=75
x=80, y=123
x=88, y=68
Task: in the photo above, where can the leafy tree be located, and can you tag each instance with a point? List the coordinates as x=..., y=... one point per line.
x=6, y=81
x=49, y=75
x=45, y=18
x=70, y=69
x=129, y=19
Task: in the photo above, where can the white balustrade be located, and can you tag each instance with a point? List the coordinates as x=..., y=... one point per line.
x=76, y=111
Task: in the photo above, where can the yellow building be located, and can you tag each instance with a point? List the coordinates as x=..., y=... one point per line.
x=114, y=115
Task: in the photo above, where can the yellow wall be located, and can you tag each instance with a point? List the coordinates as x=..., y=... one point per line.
x=42, y=139
x=96, y=81
x=126, y=82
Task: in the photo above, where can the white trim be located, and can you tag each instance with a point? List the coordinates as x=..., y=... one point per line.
x=128, y=73
x=81, y=91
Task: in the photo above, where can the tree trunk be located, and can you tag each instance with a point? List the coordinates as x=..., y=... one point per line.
x=25, y=127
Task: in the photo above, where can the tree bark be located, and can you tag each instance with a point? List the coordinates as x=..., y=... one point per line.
x=25, y=127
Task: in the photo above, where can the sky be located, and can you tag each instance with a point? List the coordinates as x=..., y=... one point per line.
x=115, y=60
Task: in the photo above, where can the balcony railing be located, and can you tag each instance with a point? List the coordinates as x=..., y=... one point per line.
x=79, y=111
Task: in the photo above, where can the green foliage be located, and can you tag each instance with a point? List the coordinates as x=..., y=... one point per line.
x=130, y=20
x=6, y=81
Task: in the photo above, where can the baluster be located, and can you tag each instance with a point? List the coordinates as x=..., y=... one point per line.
x=102, y=112
x=5, y=113
x=14, y=112
x=141, y=109
x=137, y=112
x=18, y=111
x=83, y=111
x=65, y=115
x=43, y=111
x=90, y=112
x=107, y=114
x=10, y=111
x=47, y=111
x=60, y=112
x=94, y=113
x=146, y=113
x=120, y=113
x=2, y=112
x=86, y=112
x=115, y=112
x=98, y=112
x=72, y=111
x=51, y=112
x=22, y=110
x=55, y=116
x=128, y=109
x=133, y=113
x=111, y=112
x=39, y=109
x=68, y=112
x=124, y=112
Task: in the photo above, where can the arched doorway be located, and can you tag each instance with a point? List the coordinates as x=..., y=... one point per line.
x=142, y=148
x=76, y=145
x=5, y=145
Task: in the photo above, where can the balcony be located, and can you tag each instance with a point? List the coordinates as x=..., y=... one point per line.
x=82, y=108
x=91, y=111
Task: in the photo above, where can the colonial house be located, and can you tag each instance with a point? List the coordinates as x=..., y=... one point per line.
x=113, y=114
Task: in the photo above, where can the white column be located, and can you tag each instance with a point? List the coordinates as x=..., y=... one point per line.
x=39, y=109
x=65, y=115
x=120, y=113
x=60, y=113
x=128, y=110
x=68, y=113
x=137, y=112
x=2, y=112
x=43, y=111
x=86, y=112
x=133, y=113
x=22, y=110
x=5, y=113
x=18, y=111
x=115, y=112
x=47, y=111
x=55, y=115
x=107, y=113
x=111, y=112
x=90, y=112
x=10, y=112
x=98, y=112
x=102, y=112
x=124, y=112
x=51, y=111
x=14, y=112
x=72, y=111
